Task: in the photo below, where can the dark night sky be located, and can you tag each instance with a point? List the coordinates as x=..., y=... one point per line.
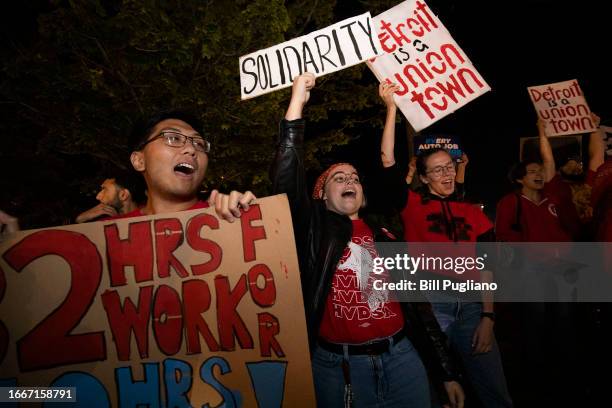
x=513, y=45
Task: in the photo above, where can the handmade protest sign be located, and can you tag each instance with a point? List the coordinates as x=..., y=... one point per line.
x=434, y=75
x=562, y=107
x=331, y=49
x=451, y=143
x=170, y=310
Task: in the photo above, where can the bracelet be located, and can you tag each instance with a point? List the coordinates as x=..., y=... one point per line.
x=490, y=315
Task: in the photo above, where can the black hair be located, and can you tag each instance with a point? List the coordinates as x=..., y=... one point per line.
x=519, y=170
x=141, y=131
x=133, y=181
x=421, y=163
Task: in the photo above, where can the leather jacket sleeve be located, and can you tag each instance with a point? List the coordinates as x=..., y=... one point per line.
x=289, y=176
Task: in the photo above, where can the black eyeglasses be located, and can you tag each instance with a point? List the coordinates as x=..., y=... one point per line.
x=175, y=139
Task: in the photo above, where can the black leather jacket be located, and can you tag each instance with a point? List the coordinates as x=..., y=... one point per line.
x=321, y=236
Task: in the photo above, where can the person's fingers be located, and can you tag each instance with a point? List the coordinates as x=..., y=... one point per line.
x=246, y=199
x=212, y=197
x=232, y=206
x=226, y=214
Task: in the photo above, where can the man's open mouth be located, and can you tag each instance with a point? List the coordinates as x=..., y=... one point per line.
x=349, y=193
x=184, y=168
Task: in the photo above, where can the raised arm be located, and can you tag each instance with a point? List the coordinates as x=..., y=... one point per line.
x=597, y=149
x=548, y=160
x=387, y=145
x=393, y=178
x=287, y=172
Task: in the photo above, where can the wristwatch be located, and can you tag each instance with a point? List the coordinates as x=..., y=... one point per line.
x=490, y=315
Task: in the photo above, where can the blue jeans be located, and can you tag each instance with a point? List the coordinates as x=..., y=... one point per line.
x=485, y=372
x=396, y=378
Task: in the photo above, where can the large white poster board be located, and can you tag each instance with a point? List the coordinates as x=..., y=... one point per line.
x=435, y=76
x=562, y=107
x=331, y=49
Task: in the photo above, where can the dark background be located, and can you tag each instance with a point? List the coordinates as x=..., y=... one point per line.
x=65, y=109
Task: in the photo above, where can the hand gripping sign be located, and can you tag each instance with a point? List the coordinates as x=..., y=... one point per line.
x=176, y=309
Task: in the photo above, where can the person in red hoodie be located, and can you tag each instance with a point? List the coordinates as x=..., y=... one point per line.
x=437, y=214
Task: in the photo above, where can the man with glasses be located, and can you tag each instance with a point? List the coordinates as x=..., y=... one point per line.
x=172, y=155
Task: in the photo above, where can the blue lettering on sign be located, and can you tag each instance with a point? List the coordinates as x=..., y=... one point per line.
x=268, y=379
x=231, y=399
x=177, y=377
x=90, y=392
x=137, y=393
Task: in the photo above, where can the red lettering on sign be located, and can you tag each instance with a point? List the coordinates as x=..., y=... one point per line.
x=228, y=319
x=123, y=320
x=265, y=296
x=168, y=237
x=136, y=251
x=251, y=233
x=196, y=298
x=50, y=344
x=268, y=329
x=168, y=320
x=194, y=228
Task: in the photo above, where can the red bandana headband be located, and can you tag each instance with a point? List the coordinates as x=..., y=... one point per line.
x=319, y=187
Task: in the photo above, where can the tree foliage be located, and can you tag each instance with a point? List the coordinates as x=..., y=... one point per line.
x=72, y=93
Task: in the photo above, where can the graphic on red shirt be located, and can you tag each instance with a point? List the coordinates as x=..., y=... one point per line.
x=442, y=221
x=355, y=312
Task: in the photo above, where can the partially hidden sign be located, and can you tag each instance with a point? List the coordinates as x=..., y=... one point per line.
x=562, y=107
x=173, y=310
x=321, y=52
x=451, y=143
x=435, y=76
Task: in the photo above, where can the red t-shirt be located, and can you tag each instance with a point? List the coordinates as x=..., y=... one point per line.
x=138, y=212
x=442, y=221
x=354, y=312
x=601, y=200
x=539, y=222
x=439, y=221
x=560, y=192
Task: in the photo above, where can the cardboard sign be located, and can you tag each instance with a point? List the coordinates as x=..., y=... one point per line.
x=562, y=107
x=434, y=75
x=331, y=49
x=177, y=309
x=451, y=143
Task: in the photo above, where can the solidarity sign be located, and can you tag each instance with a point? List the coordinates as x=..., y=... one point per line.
x=331, y=49
x=407, y=45
x=172, y=310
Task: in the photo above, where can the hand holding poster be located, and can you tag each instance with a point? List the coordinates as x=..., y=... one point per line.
x=169, y=310
x=434, y=75
x=562, y=107
x=331, y=49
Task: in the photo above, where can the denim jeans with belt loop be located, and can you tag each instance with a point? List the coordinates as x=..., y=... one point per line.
x=396, y=378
